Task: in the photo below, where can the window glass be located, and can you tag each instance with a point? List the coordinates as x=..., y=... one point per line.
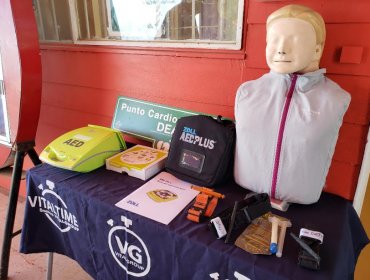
x=197, y=23
x=53, y=19
x=4, y=131
x=2, y=114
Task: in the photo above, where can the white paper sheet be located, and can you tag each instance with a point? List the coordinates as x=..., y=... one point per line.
x=160, y=199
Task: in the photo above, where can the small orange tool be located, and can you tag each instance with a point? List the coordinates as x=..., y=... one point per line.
x=204, y=205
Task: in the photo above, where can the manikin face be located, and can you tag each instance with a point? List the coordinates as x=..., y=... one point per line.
x=291, y=46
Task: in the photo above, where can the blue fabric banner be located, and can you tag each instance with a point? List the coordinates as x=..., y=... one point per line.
x=74, y=214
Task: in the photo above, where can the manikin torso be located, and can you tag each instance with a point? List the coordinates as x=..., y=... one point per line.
x=287, y=124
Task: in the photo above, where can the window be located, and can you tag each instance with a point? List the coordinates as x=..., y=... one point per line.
x=4, y=126
x=53, y=20
x=156, y=23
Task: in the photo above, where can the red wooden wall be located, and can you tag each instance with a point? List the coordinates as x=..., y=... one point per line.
x=81, y=83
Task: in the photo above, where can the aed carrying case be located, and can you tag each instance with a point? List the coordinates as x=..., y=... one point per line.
x=202, y=150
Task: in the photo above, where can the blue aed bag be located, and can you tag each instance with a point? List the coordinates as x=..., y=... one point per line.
x=202, y=150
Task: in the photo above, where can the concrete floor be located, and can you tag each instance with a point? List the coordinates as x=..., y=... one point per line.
x=34, y=266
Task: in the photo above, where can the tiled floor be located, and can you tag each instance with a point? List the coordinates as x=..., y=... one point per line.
x=34, y=266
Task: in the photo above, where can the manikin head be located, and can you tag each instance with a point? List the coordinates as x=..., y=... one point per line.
x=295, y=39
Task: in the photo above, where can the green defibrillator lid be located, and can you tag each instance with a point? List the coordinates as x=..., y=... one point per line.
x=84, y=149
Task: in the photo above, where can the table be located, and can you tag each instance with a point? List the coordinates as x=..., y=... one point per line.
x=74, y=214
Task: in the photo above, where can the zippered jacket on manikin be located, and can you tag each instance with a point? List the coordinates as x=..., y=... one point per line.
x=294, y=168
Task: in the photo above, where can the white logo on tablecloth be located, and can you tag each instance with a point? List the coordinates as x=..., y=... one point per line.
x=128, y=249
x=55, y=210
x=238, y=276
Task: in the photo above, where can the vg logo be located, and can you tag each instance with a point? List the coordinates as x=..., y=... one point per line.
x=128, y=249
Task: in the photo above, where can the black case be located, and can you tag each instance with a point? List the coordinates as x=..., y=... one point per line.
x=202, y=150
x=236, y=219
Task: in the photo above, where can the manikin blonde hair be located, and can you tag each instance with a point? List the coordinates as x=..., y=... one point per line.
x=303, y=13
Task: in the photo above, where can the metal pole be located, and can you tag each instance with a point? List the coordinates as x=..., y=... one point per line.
x=193, y=20
x=10, y=217
x=50, y=267
x=55, y=22
x=87, y=20
x=34, y=157
x=39, y=17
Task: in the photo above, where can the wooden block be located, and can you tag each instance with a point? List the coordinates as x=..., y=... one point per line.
x=351, y=55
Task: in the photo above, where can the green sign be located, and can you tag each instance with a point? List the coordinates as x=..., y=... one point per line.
x=146, y=120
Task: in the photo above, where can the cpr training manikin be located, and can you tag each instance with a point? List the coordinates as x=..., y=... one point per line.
x=288, y=120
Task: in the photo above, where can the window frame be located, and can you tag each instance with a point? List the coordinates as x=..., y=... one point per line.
x=4, y=139
x=152, y=44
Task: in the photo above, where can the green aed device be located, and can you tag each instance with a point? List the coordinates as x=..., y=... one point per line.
x=83, y=149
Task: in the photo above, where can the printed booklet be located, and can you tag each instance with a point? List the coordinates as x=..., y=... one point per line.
x=139, y=161
x=160, y=199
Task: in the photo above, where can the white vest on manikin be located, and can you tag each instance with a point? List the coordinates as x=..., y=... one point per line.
x=309, y=134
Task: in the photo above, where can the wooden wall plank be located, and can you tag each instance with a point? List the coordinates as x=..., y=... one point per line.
x=333, y=11
x=351, y=143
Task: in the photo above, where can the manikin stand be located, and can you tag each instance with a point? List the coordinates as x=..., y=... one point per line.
x=21, y=150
